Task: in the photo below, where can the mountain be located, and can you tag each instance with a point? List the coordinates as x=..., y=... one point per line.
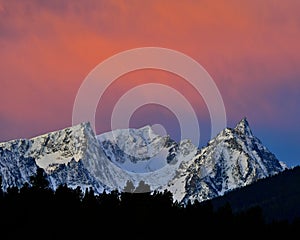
x=77, y=157
x=146, y=156
x=65, y=155
x=234, y=158
x=15, y=168
x=74, y=156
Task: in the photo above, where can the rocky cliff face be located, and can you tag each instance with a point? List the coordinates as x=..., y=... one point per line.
x=77, y=157
x=234, y=158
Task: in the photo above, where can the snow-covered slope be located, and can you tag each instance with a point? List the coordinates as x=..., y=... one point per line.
x=234, y=158
x=145, y=156
x=15, y=168
x=55, y=152
x=77, y=157
x=141, y=150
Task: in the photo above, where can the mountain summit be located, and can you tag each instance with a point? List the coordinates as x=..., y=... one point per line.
x=234, y=158
x=243, y=127
x=77, y=157
x=65, y=155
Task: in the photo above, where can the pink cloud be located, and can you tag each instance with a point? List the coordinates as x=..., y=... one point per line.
x=250, y=48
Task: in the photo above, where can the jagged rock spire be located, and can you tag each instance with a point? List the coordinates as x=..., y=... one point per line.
x=243, y=127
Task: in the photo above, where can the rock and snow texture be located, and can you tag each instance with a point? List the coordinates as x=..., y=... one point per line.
x=15, y=168
x=56, y=153
x=145, y=156
x=77, y=157
x=137, y=150
x=234, y=158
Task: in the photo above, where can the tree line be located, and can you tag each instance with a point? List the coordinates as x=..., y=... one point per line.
x=72, y=212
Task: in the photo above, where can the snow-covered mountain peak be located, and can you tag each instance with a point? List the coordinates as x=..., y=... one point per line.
x=61, y=146
x=20, y=158
x=137, y=144
x=243, y=127
x=77, y=157
x=55, y=147
x=234, y=158
x=146, y=133
x=145, y=155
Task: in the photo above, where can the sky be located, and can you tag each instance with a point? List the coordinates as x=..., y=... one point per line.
x=249, y=48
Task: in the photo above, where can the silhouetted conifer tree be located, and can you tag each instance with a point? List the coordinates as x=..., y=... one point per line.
x=39, y=181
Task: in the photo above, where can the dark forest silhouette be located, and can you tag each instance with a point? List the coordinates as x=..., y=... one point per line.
x=74, y=212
